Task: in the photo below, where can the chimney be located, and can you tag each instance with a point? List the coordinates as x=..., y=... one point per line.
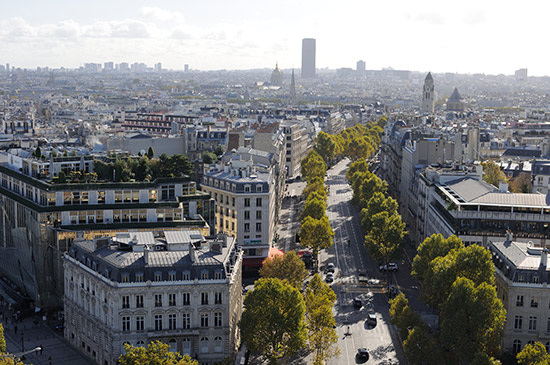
x=225, y=239
x=509, y=236
x=502, y=187
x=146, y=255
x=192, y=253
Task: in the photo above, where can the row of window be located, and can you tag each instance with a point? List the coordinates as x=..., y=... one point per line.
x=173, y=299
x=172, y=276
x=534, y=303
x=227, y=186
x=172, y=323
x=204, y=345
x=518, y=323
x=516, y=346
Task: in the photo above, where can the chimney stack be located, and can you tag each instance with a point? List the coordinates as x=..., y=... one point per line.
x=146, y=255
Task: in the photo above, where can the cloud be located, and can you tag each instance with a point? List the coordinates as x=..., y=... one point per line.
x=432, y=18
x=161, y=15
x=474, y=18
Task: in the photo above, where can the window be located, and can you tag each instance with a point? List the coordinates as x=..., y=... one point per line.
x=218, y=275
x=158, y=300
x=548, y=325
x=140, y=323
x=233, y=201
x=204, y=274
x=204, y=319
x=158, y=322
x=516, y=346
x=139, y=278
x=186, y=275
x=186, y=299
x=172, y=276
x=186, y=346
x=139, y=301
x=534, y=302
x=125, y=301
x=125, y=278
x=247, y=188
x=125, y=324
x=246, y=214
x=158, y=276
x=532, y=323
x=172, y=321
x=519, y=301
x=258, y=188
x=247, y=227
x=218, y=299
x=172, y=299
x=258, y=202
x=246, y=202
x=186, y=320
x=204, y=298
x=217, y=319
x=218, y=344
x=258, y=227
x=258, y=214
x=518, y=322
x=204, y=345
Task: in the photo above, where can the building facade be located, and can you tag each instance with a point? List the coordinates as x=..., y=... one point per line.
x=428, y=95
x=177, y=287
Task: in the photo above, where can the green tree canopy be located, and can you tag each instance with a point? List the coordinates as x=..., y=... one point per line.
x=493, y=174
x=534, y=354
x=472, y=320
x=421, y=348
x=273, y=320
x=521, y=183
x=325, y=146
x=377, y=204
x=288, y=267
x=316, y=233
x=359, y=165
x=156, y=353
x=385, y=240
x=371, y=185
x=402, y=315
x=314, y=207
x=209, y=158
x=2, y=339
x=431, y=248
x=150, y=152
x=313, y=166
x=315, y=185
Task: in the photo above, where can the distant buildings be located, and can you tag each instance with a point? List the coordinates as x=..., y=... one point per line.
x=276, y=76
x=521, y=75
x=428, y=95
x=177, y=287
x=308, y=58
x=360, y=69
x=455, y=103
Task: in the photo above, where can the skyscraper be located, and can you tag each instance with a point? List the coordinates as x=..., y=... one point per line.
x=428, y=96
x=360, y=69
x=308, y=58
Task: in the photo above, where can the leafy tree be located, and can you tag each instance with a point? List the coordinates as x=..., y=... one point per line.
x=218, y=151
x=521, y=183
x=402, y=315
x=316, y=233
x=359, y=165
x=385, y=240
x=156, y=353
x=472, y=319
x=209, y=158
x=313, y=166
x=273, y=320
x=432, y=247
x=314, y=207
x=2, y=339
x=371, y=185
x=534, y=354
x=377, y=204
x=482, y=358
x=316, y=185
x=359, y=148
x=10, y=361
x=492, y=173
x=325, y=146
x=421, y=348
x=288, y=267
x=37, y=153
x=319, y=299
x=150, y=152
x=61, y=177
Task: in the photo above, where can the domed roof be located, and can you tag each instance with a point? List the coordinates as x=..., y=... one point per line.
x=277, y=76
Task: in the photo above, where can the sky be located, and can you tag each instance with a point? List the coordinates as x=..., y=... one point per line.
x=482, y=36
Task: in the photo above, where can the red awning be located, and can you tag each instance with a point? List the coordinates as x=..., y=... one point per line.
x=258, y=261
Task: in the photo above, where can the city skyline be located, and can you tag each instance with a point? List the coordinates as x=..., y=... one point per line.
x=473, y=38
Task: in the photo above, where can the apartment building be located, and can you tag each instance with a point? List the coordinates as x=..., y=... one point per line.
x=296, y=146
x=177, y=287
x=42, y=216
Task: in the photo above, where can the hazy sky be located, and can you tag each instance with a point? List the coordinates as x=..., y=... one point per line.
x=442, y=36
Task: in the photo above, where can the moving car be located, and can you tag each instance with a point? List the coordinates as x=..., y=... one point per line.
x=330, y=268
x=392, y=266
x=363, y=354
x=329, y=278
x=357, y=302
x=371, y=319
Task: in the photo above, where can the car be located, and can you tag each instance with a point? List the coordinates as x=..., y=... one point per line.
x=371, y=319
x=357, y=302
x=363, y=354
x=329, y=278
x=392, y=266
x=330, y=268
x=60, y=327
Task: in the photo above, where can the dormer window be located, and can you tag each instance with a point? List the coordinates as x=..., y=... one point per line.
x=247, y=188
x=125, y=278
x=186, y=275
x=218, y=275
x=258, y=188
x=158, y=276
x=204, y=274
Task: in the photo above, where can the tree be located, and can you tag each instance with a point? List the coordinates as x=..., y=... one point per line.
x=472, y=319
x=421, y=348
x=61, y=177
x=371, y=185
x=377, y=204
x=218, y=151
x=402, y=315
x=313, y=166
x=431, y=248
x=316, y=233
x=385, y=240
x=156, y=353
x=359, y=165
x=150, y=152
x=273, y=320
x=521, y=183
x=209, y=158
x=482, y=358
x=319, y=299
x=2, y=339
x=359, y=148
x=37, y=153
x=325, y=146
x=316, y=185
x=492, y=173
x=314, y=207
x=534, y=354
x=288, y=267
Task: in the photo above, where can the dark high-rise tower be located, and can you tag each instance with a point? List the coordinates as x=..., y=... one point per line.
x=308, y=58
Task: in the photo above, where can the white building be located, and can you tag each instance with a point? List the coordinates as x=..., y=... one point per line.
x=174, y=286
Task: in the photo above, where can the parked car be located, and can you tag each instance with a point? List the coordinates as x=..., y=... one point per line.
x=363, y=354
x=392, y=266
x=357, y=302
x=371, y=320
x=330, y=268
x=329, y=278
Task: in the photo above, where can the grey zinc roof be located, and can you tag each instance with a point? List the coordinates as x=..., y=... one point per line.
x=516, y=253
x=182, y=237
x=143, y=238
x=455, y=96
x=516, y=199
x=469, y=189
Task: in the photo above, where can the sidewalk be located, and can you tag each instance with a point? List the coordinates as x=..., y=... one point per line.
x=30, y=335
